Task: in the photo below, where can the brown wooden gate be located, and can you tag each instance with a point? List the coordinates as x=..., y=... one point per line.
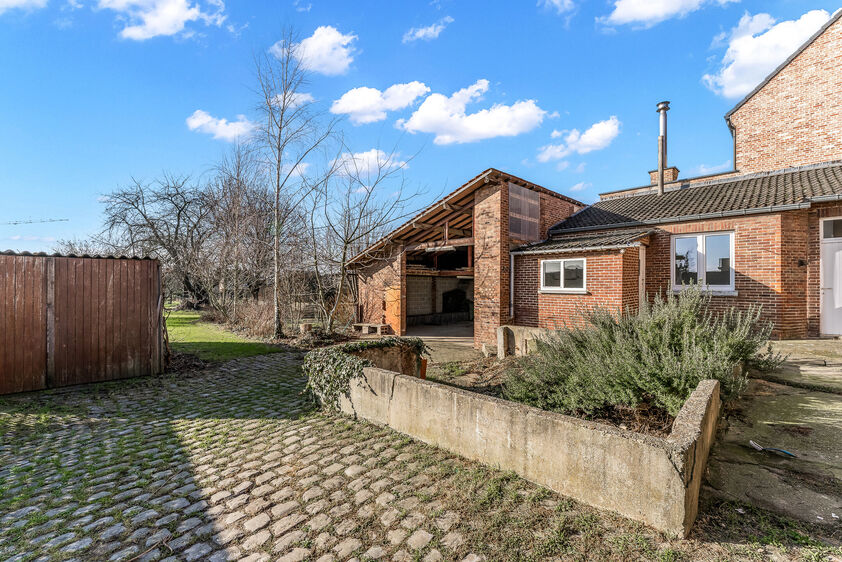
x=72, y=320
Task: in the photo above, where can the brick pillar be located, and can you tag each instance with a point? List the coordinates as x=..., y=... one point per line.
x=491, y=262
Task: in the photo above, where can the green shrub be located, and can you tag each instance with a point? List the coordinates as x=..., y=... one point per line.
x=330, y=370
x=657, y=356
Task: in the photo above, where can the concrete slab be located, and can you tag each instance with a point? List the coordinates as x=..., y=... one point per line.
x=805, y=422
x=812, y=364
x=449, y=342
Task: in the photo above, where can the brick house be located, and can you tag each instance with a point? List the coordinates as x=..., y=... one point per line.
x=768, y=232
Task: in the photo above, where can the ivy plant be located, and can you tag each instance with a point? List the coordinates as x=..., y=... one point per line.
x=330, y=370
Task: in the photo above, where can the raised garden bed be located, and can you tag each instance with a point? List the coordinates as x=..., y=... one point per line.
x=654, y=480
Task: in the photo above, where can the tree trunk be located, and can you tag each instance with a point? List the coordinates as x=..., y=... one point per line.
x=279, y=324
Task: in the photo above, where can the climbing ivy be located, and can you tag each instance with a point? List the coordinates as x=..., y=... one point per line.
x=330, y=370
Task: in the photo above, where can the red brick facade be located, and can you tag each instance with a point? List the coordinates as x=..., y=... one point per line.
x=776, y=263
x=382, y=292
x=796, y=118
x=612, y=283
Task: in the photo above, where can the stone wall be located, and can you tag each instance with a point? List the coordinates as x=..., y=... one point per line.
x=648, y=479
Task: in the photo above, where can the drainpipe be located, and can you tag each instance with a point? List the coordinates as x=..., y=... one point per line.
x=663, y=107
x=511, y=286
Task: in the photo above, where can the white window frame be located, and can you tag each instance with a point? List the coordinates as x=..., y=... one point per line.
x=821, y=229
x=562, y=289
x=701, y=262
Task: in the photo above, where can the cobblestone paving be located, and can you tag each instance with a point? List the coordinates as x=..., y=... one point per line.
x=222, y=466
x=232, y=463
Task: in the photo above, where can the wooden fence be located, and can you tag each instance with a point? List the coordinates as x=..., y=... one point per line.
x=72, y=320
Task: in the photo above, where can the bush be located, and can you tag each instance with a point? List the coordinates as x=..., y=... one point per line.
x=657, y=356
x=330, y=370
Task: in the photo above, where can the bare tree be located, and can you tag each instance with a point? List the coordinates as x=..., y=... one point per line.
x=354, y=204
x=236, y=200
x=291, y=130
x=166, y=219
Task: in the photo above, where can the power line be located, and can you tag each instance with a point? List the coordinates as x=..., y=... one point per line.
x=33, y=221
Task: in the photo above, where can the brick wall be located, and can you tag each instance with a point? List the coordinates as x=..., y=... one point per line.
x=757, y=260
x=776, y=265
x=795, y=119
x=382, y=293
x=607, y=278
x=491, y=257
x=553, y=211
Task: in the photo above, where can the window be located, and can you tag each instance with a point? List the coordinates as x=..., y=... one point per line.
x=831, y=228
x=706, y=259
x=563, y=275
x=524, y=213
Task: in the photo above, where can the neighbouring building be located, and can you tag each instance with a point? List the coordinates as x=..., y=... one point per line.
x=768, y=232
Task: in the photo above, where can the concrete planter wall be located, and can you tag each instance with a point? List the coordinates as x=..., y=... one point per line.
x=649, y=479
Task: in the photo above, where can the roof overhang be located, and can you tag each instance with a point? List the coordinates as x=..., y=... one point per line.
x=453, y=212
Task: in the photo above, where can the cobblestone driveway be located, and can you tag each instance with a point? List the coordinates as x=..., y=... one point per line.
x=225, y=465
x=232, y=463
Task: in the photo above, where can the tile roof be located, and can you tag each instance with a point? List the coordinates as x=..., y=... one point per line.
x=612, y=240
x=766, y=192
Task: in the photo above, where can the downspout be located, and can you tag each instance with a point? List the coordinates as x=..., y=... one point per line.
x=511, y=286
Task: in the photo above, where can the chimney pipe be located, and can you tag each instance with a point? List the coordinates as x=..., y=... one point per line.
x=663, y=107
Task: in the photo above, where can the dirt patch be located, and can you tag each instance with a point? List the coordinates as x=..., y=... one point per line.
x=181, y=362
x=644, y=418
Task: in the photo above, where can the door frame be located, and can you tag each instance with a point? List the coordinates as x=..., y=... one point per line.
x=822, y=242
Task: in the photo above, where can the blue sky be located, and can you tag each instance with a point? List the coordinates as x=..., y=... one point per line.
x=562, y=92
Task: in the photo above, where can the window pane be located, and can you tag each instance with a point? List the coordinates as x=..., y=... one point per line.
x=718, y=259
x=552, y=274
x=574, y=274
x=833, y=228
x=686, y=266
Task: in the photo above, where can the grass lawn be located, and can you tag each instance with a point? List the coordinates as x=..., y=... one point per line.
x=210, y=342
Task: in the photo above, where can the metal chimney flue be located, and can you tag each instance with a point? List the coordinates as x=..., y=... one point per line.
x=663, y=107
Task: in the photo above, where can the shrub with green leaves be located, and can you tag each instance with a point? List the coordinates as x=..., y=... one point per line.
x=656, y=356
x=330, y=370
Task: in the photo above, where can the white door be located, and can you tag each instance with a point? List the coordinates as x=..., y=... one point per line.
x=831, y=276
x=641, y=276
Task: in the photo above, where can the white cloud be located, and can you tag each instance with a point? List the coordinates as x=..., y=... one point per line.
x=222, y=129
x=367, y=164
x=580, y=169
x=152, y=18
x=21, y=4
x=446, y=117
x=704, y=170
x=427, y=33
x=647, y=13
x=367, y=105
x=327, y=51
x=18, y=237
x=556, y=134
x=560, y=6
x=581, y=186
x=756, y=47
x=301, y=6
x=598, y=136
x=295, y=99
